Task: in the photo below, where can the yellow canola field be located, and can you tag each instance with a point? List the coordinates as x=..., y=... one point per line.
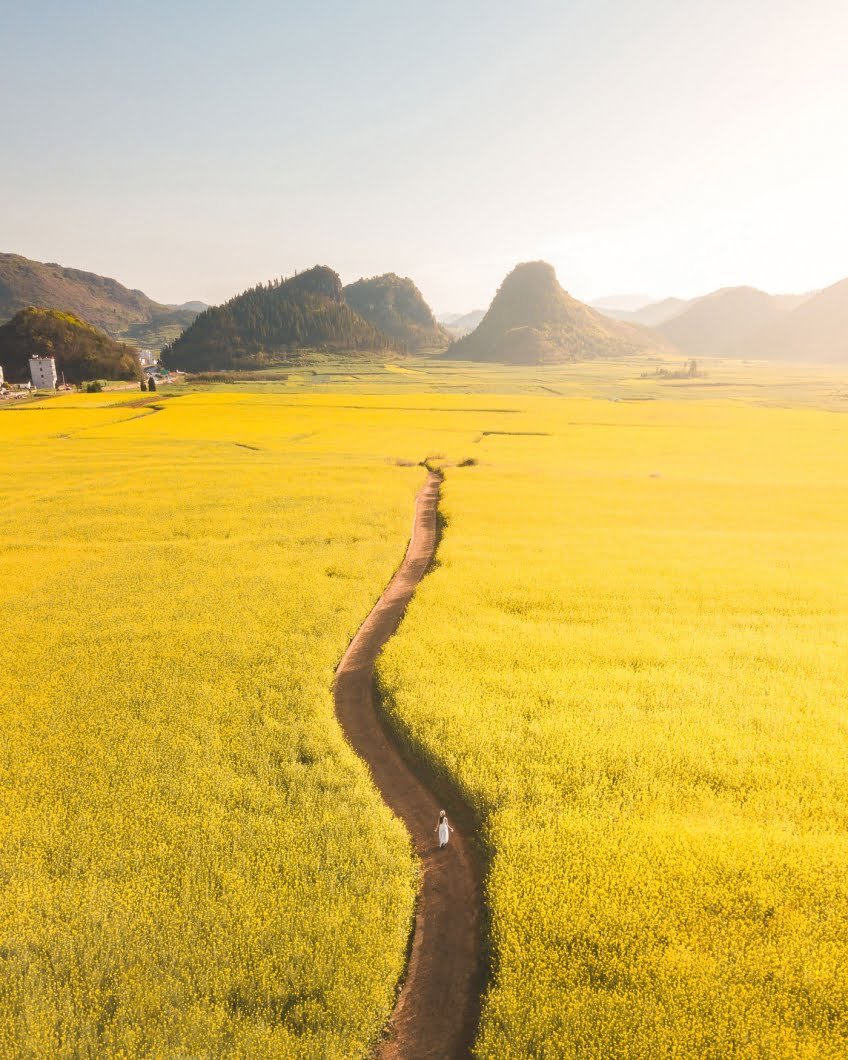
x=193, y=861
x=633, y=657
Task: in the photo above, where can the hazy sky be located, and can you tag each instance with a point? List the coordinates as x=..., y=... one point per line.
x=660, y=146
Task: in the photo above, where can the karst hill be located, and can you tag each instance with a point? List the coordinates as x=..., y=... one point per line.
x=395, y=306
x=532, y=320
x=81, y=351
x=270, y=323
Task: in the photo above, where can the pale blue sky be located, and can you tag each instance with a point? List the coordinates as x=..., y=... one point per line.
x=192, y=149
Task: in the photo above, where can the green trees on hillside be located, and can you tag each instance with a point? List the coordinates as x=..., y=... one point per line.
x=269, y=321
x=395, y=305
x=82, y=352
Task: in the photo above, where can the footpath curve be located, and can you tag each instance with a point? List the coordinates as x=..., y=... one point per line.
x=435, y=1016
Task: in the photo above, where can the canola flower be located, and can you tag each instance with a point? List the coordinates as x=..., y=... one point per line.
x=193, y=861
x=633, y=655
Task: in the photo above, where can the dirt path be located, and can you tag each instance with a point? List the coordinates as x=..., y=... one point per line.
x=438, y=1006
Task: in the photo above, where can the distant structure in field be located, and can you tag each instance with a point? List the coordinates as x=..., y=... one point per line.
x=147, y=358
x=1, y=374
x=43, y=372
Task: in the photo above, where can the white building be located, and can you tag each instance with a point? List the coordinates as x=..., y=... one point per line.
x=43, y=372
x=1, y=374
x=147, y=358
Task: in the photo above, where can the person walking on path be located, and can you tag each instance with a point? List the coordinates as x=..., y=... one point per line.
x=444, y=829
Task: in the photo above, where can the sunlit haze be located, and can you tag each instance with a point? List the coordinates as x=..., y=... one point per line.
x=192, y=149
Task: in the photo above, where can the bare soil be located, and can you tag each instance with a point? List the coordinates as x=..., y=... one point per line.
x=438, y=1004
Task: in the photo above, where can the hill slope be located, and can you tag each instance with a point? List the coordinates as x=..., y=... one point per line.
x=620, y=303
x=395, y=306
x=99, y=300
x=532, y=320
x=717, y=324
x=271, y=322
x=816, y=330
x=81, y=351
x=650, y=315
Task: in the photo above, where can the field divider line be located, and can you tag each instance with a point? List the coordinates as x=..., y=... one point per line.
x=438, y=1004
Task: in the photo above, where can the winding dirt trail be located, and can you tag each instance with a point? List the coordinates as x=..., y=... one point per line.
x=437, y=1009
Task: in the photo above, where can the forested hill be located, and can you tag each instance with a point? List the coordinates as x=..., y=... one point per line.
x=98, y=300
x=395, y=305
x=532, y=320
x=270, y=322
x=81, y=351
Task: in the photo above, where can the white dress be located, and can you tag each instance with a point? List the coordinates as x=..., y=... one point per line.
x=443, y=831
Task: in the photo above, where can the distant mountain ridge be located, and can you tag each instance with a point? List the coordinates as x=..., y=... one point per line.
x=746, y=322
x=650, y=315
x=532, y=320
x=81, y=351
x=815, y=330
x=459, y=324
x=98, y=300
x=624, y=303
x=273, y=321
x=395, y=306
x=714, y=325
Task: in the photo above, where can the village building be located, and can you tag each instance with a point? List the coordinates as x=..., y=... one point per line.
x=43, y=372
x=1, y=375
